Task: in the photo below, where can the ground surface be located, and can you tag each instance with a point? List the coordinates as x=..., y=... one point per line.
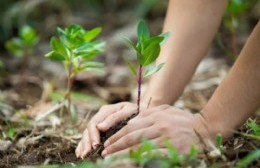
x=35, y=128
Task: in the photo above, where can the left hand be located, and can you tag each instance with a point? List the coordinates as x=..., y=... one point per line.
x=179, y=127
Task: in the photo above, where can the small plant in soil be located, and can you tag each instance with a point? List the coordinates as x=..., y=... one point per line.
x=76, y=48
x=22, y=46
x=254, y=127
x=147, y=50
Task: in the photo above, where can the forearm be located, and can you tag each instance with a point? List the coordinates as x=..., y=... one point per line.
x=238, y=96
x=192, y=26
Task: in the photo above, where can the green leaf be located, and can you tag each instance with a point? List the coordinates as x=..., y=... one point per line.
x=15, y=46
x=28, y=35
x=165, y=36
x=53, y=55
x=219, y=141
x=63, y=37
x=142, y=30
x=74, y=30
x=97, y=70
x=93, y=64
x=152, y=41
x=58, y=47
x=89, y=50
x=87, y=55
x=91, y=34
x=61, y=32
x=131, y=67
x=130, y=44
x=150, y=54
x=248, y=159
x=252, y=124
x=153, y=70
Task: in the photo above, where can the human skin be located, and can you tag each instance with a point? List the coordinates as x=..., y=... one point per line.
x=178, y=59
x=186, y=28
x=234, y=101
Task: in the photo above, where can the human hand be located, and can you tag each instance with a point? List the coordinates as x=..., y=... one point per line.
x=181, y=128
x=106, y=117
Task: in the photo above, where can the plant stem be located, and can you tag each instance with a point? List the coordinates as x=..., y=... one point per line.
x=139, y=82
x=69, y=87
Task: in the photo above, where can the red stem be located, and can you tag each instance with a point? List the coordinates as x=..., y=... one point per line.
x=139, y=82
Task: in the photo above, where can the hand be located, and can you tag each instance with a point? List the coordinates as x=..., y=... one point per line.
x=183, y=129
x=106, y=117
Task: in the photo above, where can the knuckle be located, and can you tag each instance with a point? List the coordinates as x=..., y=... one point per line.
x=129, y=140
x=111, y=120
x=162, y=127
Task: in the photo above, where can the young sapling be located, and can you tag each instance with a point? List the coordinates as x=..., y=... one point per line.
x=147, y=49
x=75, y=47
x=22, y=46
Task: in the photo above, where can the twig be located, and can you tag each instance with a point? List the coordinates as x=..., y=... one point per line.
x=149, y=103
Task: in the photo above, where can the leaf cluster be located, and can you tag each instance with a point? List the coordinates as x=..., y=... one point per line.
x=254, y=126
x=27, y=38
x=147, y=49
x=148, y=153
x=76, y=46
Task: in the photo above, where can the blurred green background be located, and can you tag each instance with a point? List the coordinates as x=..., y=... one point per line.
x=46, y=15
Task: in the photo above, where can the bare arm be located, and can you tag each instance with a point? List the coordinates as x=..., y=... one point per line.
x=238, y=96
x=236, y=99
x=192, y=26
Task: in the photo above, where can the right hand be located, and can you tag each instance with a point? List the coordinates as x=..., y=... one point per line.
x=106, y=117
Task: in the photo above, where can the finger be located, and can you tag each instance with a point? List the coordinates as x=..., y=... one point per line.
x=131, y=139
x=107, y=110
x=94, y=134
x=133, y=125
x=100, y=116
x=78, y=149
x=116, y=117
x=85, y=146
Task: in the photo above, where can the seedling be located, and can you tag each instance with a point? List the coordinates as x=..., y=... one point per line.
x=219, y=141
x=75, y=48
x=22, y=46
x=254, y=126
x=147, y=49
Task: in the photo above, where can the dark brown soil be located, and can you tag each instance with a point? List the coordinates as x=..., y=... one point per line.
x=96, y=154
x=52, y=150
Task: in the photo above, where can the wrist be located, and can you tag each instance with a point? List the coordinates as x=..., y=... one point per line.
x=209, y=128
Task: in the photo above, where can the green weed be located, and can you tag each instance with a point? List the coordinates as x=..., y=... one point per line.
x=76, y=47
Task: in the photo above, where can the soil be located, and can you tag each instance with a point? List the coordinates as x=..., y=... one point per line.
x=44, y=143
x=51, y=150
x=96, y=154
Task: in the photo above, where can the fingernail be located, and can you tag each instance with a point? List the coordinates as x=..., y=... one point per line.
x=95, y=145
x=103, y=124
x=104, y=153
x=106, y=143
